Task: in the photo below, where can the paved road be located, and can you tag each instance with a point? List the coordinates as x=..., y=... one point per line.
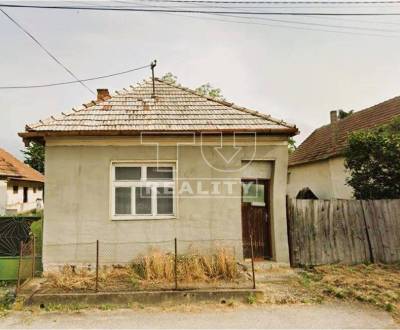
x=288, y=316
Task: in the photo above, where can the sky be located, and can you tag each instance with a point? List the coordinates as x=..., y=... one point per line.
x=280, y=69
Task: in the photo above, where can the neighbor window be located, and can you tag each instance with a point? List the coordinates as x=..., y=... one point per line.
x=142, y=191
x=15, y=189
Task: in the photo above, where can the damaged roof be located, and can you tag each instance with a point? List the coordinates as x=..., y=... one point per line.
x=172, y=109
x=11, y=167
x=331, y=140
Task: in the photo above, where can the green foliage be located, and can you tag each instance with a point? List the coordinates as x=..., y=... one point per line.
x=251, y=299
x=169, y=77
x=205, y=89
x=208, y=90
x=292, y=145
x=34, y=156
x=373, y=159
x=7, y=300
x=343, y=114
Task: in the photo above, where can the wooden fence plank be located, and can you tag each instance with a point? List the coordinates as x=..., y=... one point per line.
x=346, y=231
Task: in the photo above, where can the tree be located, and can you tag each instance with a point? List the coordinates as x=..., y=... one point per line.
x=208, y=90
x=291, y=145
x=169, y=77
x=373, y=159
x=205, y=89
x=343, y=114
x=34, y=156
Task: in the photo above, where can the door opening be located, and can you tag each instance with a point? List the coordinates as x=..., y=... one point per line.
x=256, y=218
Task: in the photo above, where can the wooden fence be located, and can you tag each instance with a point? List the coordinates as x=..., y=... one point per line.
x=346, y=231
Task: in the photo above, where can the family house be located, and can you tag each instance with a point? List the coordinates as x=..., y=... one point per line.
x=21, y=187
x=155, y=162
x=318, y=163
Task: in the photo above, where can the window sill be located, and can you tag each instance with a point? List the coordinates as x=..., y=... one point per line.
x=143, y=218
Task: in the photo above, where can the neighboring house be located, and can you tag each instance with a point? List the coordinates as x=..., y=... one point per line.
x=21, y=187
x=318, y=163
x=145, y=166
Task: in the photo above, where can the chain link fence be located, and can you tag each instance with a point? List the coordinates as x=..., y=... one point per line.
x=106, y=266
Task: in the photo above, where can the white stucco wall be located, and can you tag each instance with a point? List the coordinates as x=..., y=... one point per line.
x=3, y=197
x=15, y=201
x=326, y=178
x=77, y=196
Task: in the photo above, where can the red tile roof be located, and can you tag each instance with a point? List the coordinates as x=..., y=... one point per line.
x=15, y=169
x=322, y=143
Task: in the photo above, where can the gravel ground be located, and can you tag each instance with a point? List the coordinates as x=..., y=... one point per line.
x=333, y=316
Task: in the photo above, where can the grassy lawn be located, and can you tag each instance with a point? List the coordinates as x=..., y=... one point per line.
x=374, y=284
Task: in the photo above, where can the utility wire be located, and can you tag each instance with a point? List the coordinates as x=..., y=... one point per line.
x=251, y=18
x=275, y=2
x=194, y=11
x=75, y=81
x=286, y=26
x=46, y=50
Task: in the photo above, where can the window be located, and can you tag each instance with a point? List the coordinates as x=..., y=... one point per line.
x=142, y=191
x=15, y=189
x=34, y=190
x=26, y=194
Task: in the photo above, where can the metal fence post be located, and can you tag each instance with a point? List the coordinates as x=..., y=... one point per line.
x=19, y=267
x=252, y=261
x=176, y=264
x=33, y=255
x=97, y=265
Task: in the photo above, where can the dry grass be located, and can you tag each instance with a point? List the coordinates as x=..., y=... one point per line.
x=375, y=284
x=145, y=271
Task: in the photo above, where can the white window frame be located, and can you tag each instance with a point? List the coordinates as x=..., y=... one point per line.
x=143, y=182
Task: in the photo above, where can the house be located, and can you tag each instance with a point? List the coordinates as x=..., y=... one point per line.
x=21, y=187
x=318, y=163
x=155, y=162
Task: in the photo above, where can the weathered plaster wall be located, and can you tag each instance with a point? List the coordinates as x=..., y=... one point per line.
x=77, y=196
x=15, y=201
x=3, y=197
x=326, y=178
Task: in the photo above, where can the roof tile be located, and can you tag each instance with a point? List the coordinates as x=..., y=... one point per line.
x=322, y=144
x=174, y=108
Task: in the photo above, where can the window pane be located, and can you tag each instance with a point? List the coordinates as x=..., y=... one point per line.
x=143, y=200
x=159, y=173
x=127, y=173
x=123, y=200
x=253, y=193
x=164, y=200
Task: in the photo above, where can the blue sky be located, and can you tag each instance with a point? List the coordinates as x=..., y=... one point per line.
x=290, y=73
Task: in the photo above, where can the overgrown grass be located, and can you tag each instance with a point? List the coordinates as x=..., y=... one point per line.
x=155, y=268
x=374, y=284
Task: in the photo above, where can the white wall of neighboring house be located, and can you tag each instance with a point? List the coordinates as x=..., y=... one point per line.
x=3, y=197
x=326, y=178
x=15, y=199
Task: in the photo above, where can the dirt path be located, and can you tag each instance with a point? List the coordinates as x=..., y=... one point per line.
x=240, y=317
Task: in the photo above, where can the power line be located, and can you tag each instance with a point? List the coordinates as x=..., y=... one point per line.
x=316, y=24
x=45, y=49
x=276, y=2
x=287, y=26
x=194, y=11
x=75, y=81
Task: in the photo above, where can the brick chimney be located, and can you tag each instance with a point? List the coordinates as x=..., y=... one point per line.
x=334, y=117
x=102, y=94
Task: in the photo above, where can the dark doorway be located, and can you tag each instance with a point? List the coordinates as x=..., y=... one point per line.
x=255, y=218
x=26, y=194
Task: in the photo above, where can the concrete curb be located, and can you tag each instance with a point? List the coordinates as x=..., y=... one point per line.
x=142, y=297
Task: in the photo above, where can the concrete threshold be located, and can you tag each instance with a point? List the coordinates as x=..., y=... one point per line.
x=143, y=297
